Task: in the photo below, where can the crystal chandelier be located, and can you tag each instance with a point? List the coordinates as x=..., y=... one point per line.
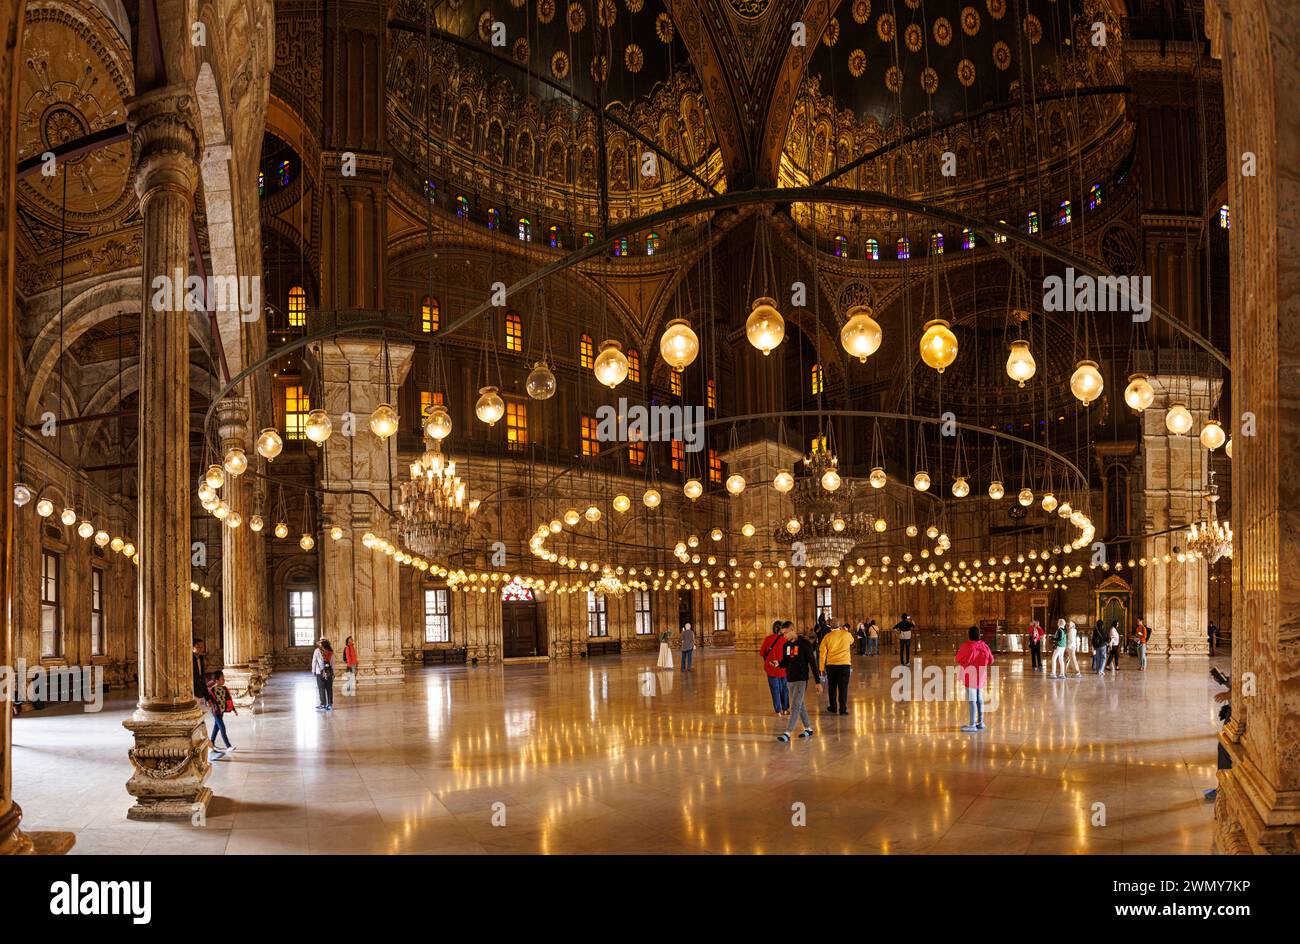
x=823, y=522
x=1210, y=538
x=434, y=511
x=610, y=585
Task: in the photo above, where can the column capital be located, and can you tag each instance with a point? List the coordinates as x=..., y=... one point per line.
x=232, y=421
x=165, y=140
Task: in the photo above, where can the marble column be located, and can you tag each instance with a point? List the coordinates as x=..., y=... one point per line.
x=239, y=614
x=1258, y=803
x=360, y=587
x=1175, y=475
x=170, y=754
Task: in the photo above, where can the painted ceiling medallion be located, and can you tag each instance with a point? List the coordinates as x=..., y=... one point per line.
x=1001, y=55
x=942, y=31
x=970, y=21
x=634, y=6
x=893, y=78
x=485, y=26
x=633, y=58
x=885, y=27
x=912, y=38
x=520, y=49
x=664, y=28
x=606, y=13
x=599, y=68
x=857, y=63
x=577, y=16
x=861, y=11
x=560, y=64
x=966, y=73
x=832, y=34
x=997, y=8
x=1033, y=29
x=929, y=80
x=545, y=10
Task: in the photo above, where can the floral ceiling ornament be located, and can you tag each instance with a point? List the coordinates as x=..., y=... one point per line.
x=599, y=68
x=634, y=6
x=942, y=31
x=1033, y=29
x=913, y=4
x=633, y=58
x=1001, y=55
x=929, y=80
x=832, y=34
x=606, y=13
x=520, y=49
x=560, y=64
x=545, y=11
x=857, y=63
x=912, y=38
x=577, y=16
x=861, y=11
x=885, y=27
x=893, y=78
x=997, y=8
x=970, y=21
x=664, y=28
x=485, y=26
x=966, y=73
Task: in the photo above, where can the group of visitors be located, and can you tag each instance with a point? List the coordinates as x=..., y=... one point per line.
x=1105, y=641
x=322, y=666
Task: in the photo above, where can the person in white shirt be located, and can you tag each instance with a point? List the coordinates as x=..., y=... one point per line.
x=1112, y=655
x=1059, y=640
x=1072, y=637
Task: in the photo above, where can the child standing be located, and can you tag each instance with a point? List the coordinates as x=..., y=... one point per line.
x=974, y=657
x=219, y=701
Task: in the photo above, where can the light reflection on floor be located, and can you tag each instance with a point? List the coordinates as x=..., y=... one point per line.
x=614, y=755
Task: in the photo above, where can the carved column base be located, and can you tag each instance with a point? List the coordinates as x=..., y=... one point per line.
x=245, y=684
x=17, y=842
x=381, y=671
x=1250, y=815
x=170, y=761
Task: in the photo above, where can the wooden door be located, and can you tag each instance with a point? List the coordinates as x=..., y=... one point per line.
x=519, y=630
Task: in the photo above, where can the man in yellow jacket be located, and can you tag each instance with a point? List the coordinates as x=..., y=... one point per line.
x=836, y=657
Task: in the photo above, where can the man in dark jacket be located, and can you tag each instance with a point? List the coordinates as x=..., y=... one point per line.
x=799, y=659
x=200, y=673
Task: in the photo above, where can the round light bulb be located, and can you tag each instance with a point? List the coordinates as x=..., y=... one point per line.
x=336, y=533
x=571, y=517
x=306, y=542
x=831, y=480
x=960, y=487
x=234, y=520
x=1212, y=435
x=793, y=526
x=85, y=529
x=938, y=345
x=1139, y=394
x=101, y=538
x=269, y=443
x=281, y=530
x=592, y=514
x=490, y=406
x=206, y=492
x=878, y=477
x=256, y=523
x=1020, y=362
x=932, y=532
x=1178, y=420
x=679, y=345
x=214, y=477
x=735, y=483
x=317, y=427
x=68, y=516
x=1086, y=383
x=541, y=382
x=651, y=498
x=747, y=530
x=921, y=481
x=692, y=489
x=622, y=503
x=715, y=534
x=45, y=507
x=117, y=544
x=610, y=366
x=222, y=511
x=438, y=424
x=22, y=494
x=765, y=327
x=235, y=461
x=1049, y=502
x=1227, y=448
x=861, y=335
x=1026, y=497
x=996, y=491
x=384, y=421
x=783, y=481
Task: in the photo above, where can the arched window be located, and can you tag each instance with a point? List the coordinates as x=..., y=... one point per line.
x=514, y=332
x=462, y=207
x=651, y=244
x=711, y=394
x=873, y=250
x=817, y=380
x=588, y=238
x=841, y=247
x=1094, y=196
x=297, y=307
x=1064, y=215
x=430, y=314
x=675, y=382
x=904, y=248
x=516, y=592
x=493, y=218
x=553, y=237
x=967, y=239
x=1032, y=222
x=1225, y=218
x=620, y=246
x=999, y=237
x=282, y=174
x=586, y=351
x=936, y=244
x=633, y=365
x=525, y=229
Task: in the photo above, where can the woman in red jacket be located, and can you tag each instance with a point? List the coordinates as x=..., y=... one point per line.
x=770, y=650
x=974, y=657
x=350, y=666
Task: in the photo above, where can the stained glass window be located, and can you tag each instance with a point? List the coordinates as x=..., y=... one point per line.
x=1065, y=215
x=904, y=248
x=586, y=351
x=1094, y=196
x=652, y=244
x=514, y=332
x=1225, y=219
x=936, y=244
x=841, y=247
x=1032, y=221
x=711, y=394
x=462, y=207
x=553, y=237
x=493, y=218
x=282, y=174
x=430, y=314
x=967, y=239
x=1000, y=237
x=873, y=250
x=296, y=407
x=297, y=307
x=525, y=229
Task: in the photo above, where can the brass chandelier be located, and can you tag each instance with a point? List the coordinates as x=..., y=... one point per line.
x=435, y=513
x=823, y=521
x=1210, y=538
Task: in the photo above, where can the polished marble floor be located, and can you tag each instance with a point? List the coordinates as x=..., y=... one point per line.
x=612, y=755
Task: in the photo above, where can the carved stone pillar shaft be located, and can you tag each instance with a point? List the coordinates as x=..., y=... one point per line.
x=170, y=753
x=238, y=601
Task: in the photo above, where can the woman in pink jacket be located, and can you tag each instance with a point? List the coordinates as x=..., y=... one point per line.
x=974, y=657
